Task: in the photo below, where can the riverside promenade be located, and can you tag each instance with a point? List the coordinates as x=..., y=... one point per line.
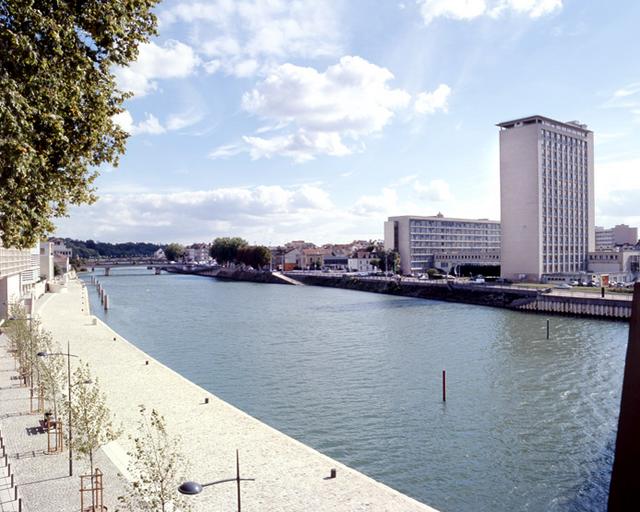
x=289, y=476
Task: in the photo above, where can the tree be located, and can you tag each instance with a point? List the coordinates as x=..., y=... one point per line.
x=388, y=261
x=174, y=252
x=58, y=96
x=51, y=371
x=225, y=249
x=256, y=256
x=91, y=419
x=157, y=468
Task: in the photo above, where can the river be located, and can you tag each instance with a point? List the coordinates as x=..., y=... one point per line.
x=529, y=423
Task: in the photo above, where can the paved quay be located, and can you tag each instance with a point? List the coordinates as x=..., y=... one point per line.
x=42, y=479
x=289, y=476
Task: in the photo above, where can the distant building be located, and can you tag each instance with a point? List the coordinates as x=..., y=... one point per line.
x=622, y=265
x=615, y=236
x=19, y=278
x=546, y=197
x=314, y=258
x=293, y=259
x=159, y=255
x=333, y=262
x=46, y=261
x=61, y=255
x=442, y=242
x=197, y=252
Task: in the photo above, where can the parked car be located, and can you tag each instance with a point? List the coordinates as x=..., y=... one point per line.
x=564, y=286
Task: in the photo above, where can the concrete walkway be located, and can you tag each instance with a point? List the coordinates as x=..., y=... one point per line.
x=42, y=479
x=289, y=476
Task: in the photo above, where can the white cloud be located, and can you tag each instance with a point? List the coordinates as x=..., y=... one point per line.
x=617, y=189
x=350, y=99
x=235, y=33
x=627, y=97
x=300, y=146
x=262, y=214
x=436, y=190
x=124, y=120
x=471, y=9
x=382, y=205
x=183, y=120
x=171, y=60
x=430, y=102
x=152, y=125
x=453, y=9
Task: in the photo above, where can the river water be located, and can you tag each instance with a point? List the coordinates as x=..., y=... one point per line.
x=529, y=423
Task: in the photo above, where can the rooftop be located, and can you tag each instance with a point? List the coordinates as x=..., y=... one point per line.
x=574, y=125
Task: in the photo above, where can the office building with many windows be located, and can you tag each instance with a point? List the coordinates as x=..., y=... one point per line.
x=442, y=242
x=546, y=197
x=615, y=236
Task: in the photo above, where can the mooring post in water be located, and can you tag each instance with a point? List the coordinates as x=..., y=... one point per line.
x=624, y=493
x=547, y=328
x=444, y=385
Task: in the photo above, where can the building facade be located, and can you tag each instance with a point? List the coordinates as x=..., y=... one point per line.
x=546, y=197
x=622, y=266
x=20, y=277
x=615, y=236
x=441, y=242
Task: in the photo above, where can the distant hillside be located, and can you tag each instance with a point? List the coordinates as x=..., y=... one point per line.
x=90, y=249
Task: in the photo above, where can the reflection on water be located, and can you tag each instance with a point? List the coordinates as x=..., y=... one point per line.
x=528, y=423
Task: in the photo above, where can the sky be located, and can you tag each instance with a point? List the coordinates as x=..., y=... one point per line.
x=283, y=120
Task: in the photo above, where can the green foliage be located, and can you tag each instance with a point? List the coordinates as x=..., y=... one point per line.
x=57, y=99
x=51, y=370
x=21, y=339
x=91, y=418
x=256, y=256
x=157, y=468
x=92, y=250
x=225, y=249
x=174, y=252
x=388, y=261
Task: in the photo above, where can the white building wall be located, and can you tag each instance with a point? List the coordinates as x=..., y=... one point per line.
x=519, y=203
x=547, y=197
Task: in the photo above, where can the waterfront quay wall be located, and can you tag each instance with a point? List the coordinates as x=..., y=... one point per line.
x=508, y=297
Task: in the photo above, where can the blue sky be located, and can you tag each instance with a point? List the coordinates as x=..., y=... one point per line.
x=310, y=119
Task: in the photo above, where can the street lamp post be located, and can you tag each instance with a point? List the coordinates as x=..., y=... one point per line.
x=192, y=488
x=69, y=386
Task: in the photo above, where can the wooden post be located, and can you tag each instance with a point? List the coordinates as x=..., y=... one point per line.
x=624, y=493
x=444, y=385
x=547, y=328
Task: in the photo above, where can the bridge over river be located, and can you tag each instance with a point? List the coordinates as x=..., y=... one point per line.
x=148, y=263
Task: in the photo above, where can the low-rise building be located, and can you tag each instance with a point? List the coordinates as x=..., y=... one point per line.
x=618, y=265
x=334, y=262
x=442, y=242
x=197, y=252
x=20, y=278
x=314, y=258
x=293, y=260
x=61, y=255
x=47, y=271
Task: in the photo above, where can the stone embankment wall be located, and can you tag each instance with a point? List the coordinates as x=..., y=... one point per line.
x=484, y=295
x=243, y=275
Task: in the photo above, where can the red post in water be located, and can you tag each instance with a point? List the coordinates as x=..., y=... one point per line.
x=444, y=386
